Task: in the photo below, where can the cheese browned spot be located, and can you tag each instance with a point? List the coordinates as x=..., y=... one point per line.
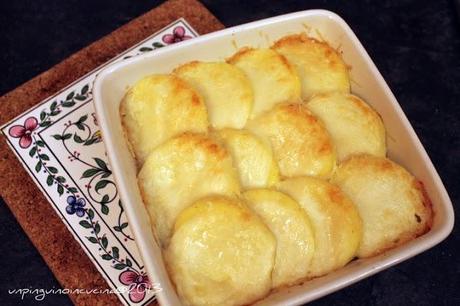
x=300, y=142
x=391, y=202
x=157, y=108
x=320, y=67
x=220, y=254
x=181, y=171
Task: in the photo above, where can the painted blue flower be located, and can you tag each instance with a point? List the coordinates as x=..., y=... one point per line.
x=75, y=206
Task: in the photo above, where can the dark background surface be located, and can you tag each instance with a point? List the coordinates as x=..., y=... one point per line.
x=415, y=44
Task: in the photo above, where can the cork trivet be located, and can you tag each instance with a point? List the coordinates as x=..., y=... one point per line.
x=64, y=256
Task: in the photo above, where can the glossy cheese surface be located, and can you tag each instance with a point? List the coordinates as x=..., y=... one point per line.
x=335, y=220
x=320, y=67
x=300, y=142
x=181, y=171
x=353, y=125
x=273, y=79
x=391, y=202
x=252, y=157
x=157, y=108
x=226, y=91
x=221, y=253
x=294, y=234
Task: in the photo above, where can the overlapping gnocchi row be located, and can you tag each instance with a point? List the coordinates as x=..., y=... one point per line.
x=265, y=170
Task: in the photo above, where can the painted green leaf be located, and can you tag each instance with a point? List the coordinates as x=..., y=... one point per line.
x=97, y=228
x=60, y=179
x=145, y=49
x=32, y=151
x=101, y=184
x=49, y=180
x=80, y=126
x=105, y=199
x=42, y=115
x=90, y=172
x=70, y=96
x=57, y=137
x=106, y=174
x=90, y=213
x=92, y=239
x=67, y=136
x=158, y=45
x=45, y=123
x=43, y=156
x=101, y=163
x=82, y=119
x=55, y=112
x=60, y=189
x=52, y=170
x=106, y=257
x=77, y=138
x=84, y=90
x=104, y=209
x=119, y=266
x=80, y=97
x=38, y=166
x=104, y=242
x=90, y=141
x=115, y=252
x=128, y=262
x=68, y=104
x=72, y=190
x=53, y=105
x=85, y=224
x=40, y=143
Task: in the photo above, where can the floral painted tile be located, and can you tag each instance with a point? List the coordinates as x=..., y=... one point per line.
x=59, y=143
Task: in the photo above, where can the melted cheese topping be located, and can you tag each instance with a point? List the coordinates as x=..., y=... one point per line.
x=252, y=157
x=353, y=125
x=220, y=254
x=273, y=79
x=181, y=171
x=390, y=200
x=157, y=108
x=300, y=142
x=335, y=220
x=320, y=67
x=291, y=226
x=226, y=91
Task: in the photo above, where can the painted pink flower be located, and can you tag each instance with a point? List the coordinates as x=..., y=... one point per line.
x=23, y=132
x=177, y=36
x=137, y=284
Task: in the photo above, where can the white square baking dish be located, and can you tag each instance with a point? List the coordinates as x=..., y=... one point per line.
x=404, y=146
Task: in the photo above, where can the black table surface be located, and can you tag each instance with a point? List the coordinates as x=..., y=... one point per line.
x=414, y=43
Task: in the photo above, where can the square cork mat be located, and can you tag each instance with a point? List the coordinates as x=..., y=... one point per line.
x=59, y=249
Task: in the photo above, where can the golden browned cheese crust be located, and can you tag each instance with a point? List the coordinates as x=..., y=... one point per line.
x=221, y=253
x=226, y=90
x=300, y=142
x=273, y=79
x=336, y=223
x=179, y=172
x=353, y=125
x=390, y=200
x=320, y=67
x=157, y=108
